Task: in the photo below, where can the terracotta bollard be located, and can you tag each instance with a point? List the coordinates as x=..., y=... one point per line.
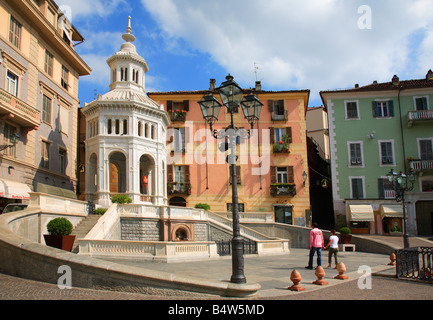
x=296, y=279
x=392, y=257
x=341, y=268
x=320, y=273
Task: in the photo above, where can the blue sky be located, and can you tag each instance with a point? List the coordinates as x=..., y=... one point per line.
x=310, y=44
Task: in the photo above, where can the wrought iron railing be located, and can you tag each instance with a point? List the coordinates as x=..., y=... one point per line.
x=224, y=247
x=415, y=263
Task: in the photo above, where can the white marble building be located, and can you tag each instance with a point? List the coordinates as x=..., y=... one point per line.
x=126, y=135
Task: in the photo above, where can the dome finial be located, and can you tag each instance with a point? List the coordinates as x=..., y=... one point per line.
x=128, y=36
x=128, y=29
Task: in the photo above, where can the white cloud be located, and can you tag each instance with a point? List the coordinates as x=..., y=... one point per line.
x=87, y=8
x=313, y=44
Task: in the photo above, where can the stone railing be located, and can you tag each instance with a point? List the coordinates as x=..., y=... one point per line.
x=48, y=203
x=249, y=216
x=421, y=165
x=420, y=115
x=19, y=108
x=245, y=231
x=148, y=250
x=108, y=226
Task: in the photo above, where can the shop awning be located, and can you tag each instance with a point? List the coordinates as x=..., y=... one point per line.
x=391, y=210
x=14, y=190
x=360, y=212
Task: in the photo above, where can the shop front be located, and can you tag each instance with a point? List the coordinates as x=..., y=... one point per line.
x=392, y=219
x=13, y=192
x=361, y=218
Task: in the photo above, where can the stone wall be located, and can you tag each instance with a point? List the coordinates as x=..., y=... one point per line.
x=139, y=229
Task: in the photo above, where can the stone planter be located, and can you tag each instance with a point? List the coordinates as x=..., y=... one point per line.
x=60, y=242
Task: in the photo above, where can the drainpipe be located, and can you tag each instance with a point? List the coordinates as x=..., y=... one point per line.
x=400, y=88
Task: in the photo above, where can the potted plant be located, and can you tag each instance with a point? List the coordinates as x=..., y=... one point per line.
x=59, y=236
x=204, y=206
x=346, y=235
x=121, y=199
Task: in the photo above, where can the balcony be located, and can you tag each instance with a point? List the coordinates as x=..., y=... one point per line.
x=280, y=117
x=179, y=188
x=419, y=117
x=283, y=189
x=21, y=113
x=421, y=165
x=178, y=116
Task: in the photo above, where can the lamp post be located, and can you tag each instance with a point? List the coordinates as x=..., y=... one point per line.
x=402, y=183
x=232, y=96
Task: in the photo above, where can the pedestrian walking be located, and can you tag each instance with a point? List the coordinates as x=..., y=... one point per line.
x=316, y=245
x=333, y=248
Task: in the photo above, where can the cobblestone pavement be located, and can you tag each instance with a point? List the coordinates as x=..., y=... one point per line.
x=273, y=273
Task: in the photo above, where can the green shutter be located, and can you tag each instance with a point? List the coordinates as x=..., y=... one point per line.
x=375, y=111
x=391, y=108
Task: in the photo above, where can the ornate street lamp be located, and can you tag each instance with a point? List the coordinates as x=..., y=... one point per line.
x=232, y=96
x=402, y=183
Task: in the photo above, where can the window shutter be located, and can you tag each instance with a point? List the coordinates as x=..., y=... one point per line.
x=271, y=106
x=273, y=172
x=375, y=111
x=381, y=188
x=187, y=135
x=391, y=108
x=289, y=134
x=186, y=105
x=170, y=173
x=290, y=175
x=272, y=136
x=187, y=175
x=169, y=105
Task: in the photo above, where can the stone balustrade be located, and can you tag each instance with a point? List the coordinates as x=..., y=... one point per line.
x=148, y=250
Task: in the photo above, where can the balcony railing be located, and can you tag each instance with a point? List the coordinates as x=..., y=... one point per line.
x=419, y=116
x=178, y=116
x=23, y=114
x=179, y=188
x=283, y=189
x=421, y=165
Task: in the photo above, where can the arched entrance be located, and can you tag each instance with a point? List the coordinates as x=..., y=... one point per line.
x=117, y=172
x=178, y=202
x=147, y=178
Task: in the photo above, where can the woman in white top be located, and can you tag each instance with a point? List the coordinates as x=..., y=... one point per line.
x=333, y=248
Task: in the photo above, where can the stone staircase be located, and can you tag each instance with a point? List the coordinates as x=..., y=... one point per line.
x=83, y=228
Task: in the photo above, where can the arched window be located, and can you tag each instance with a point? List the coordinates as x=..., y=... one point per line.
x=117, y=126
x=146, y=130
x=125, y=126
x=139, y=128
x=109, y=124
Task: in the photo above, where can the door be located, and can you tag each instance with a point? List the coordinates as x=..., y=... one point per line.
x=283, y=214
x=424, y=217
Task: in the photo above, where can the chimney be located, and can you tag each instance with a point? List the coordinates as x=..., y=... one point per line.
x=429, y=75
x=356, y=85
x=395, y=80
x=375, y=82
x=212, y=85
x=258, y=86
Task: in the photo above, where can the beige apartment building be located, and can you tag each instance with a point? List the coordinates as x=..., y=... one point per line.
x=39, y=75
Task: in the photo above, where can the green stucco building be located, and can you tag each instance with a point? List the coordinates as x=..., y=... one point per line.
x=373, y=129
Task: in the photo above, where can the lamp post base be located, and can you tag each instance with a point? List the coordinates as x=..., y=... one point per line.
x=238, y=261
